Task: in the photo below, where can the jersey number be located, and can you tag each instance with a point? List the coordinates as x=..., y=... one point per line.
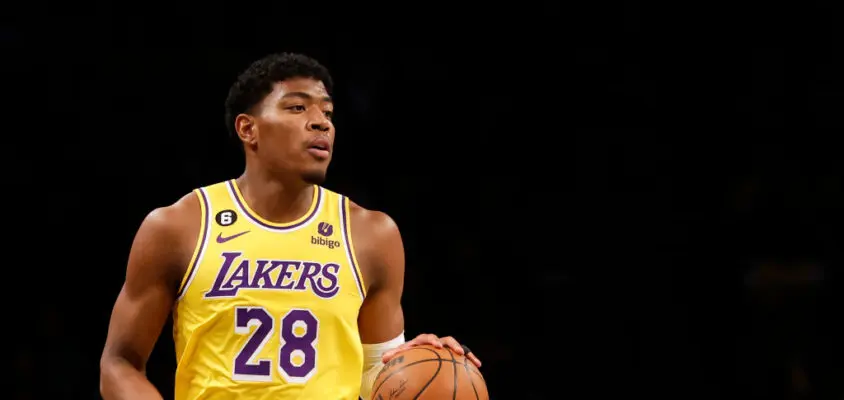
x=296, y=355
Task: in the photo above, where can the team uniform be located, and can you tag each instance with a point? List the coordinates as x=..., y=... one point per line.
x=268, y=310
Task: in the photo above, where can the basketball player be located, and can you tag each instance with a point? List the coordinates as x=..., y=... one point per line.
x=279, y=288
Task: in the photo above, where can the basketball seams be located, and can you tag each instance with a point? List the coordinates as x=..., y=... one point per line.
x=424, y=384
x=433, y=376
x=469, y=375
x=454, y=368
x=439, y=359
x=475, y=371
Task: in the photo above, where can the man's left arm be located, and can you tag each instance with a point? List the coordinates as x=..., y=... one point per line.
x=378, y=243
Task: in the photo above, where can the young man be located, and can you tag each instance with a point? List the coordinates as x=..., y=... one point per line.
x=279, y=288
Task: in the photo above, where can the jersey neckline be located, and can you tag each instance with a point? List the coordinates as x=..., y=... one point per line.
x=276, y=226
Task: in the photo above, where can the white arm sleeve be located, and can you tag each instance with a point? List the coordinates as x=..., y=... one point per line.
x=372, y=363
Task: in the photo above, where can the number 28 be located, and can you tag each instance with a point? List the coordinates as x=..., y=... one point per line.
x=293, y=344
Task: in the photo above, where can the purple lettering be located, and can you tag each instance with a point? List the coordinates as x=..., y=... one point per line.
x=262, y=274
x=240, y=275
x=308, y=274
x=329, y=273
x=244, y=318
x=216, y=290
x=293, y=342
x=321, y=279
x=284, y=274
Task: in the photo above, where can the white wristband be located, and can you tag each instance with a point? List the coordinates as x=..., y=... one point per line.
x=372, y=362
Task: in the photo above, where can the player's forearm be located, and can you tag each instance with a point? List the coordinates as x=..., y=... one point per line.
x=120, y=380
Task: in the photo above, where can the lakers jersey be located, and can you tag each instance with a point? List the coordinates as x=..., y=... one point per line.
x=268, y=310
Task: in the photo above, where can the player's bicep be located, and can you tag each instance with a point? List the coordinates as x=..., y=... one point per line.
x=381, y=317
x=135, y=324
x=147, y=296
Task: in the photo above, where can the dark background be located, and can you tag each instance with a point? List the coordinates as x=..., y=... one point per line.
x=598, y=202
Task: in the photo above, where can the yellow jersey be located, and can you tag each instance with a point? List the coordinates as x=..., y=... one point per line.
x=268, y=310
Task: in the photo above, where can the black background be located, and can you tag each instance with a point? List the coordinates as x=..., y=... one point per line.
x=626, y=200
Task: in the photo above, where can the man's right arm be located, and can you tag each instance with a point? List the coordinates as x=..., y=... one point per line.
x=154, y=271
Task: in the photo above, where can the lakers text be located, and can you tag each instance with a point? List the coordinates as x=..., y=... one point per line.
x=283, y=275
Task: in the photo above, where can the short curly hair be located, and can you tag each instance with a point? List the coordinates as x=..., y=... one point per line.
x=257, y=81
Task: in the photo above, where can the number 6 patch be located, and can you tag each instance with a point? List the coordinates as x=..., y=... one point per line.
x=226, y=217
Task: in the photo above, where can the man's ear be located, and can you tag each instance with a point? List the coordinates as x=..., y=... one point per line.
x=246, y=128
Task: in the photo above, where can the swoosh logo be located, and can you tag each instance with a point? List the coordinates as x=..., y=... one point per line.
x=221, y=239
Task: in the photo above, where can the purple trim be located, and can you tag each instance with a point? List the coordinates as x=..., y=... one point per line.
x=256, y=220
x=348, y=236
x=202, y=243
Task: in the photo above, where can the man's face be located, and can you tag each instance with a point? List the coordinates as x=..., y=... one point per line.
x=292, y=130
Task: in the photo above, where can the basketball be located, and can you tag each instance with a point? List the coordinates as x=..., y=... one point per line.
x=428, y=373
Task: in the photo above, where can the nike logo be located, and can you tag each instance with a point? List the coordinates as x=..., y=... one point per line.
x=221, y=239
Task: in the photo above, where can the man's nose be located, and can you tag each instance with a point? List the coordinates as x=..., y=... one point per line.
x=319, y=123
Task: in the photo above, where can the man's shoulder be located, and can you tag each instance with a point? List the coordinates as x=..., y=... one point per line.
x=367, y=221
x=171, y=220
x=187, y=209
x=378, y=244
x=371, y=222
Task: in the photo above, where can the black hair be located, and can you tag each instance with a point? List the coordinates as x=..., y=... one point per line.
x=257, y=81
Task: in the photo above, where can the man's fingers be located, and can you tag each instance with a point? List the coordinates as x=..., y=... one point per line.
x=451, y=343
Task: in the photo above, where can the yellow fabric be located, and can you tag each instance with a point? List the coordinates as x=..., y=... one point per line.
x=268, y=310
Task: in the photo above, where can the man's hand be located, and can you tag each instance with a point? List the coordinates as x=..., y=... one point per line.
x=427, y=338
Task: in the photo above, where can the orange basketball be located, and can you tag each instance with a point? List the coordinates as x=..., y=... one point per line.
x=428, y=373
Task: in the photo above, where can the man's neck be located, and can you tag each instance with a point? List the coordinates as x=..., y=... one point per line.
x=273, y=199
